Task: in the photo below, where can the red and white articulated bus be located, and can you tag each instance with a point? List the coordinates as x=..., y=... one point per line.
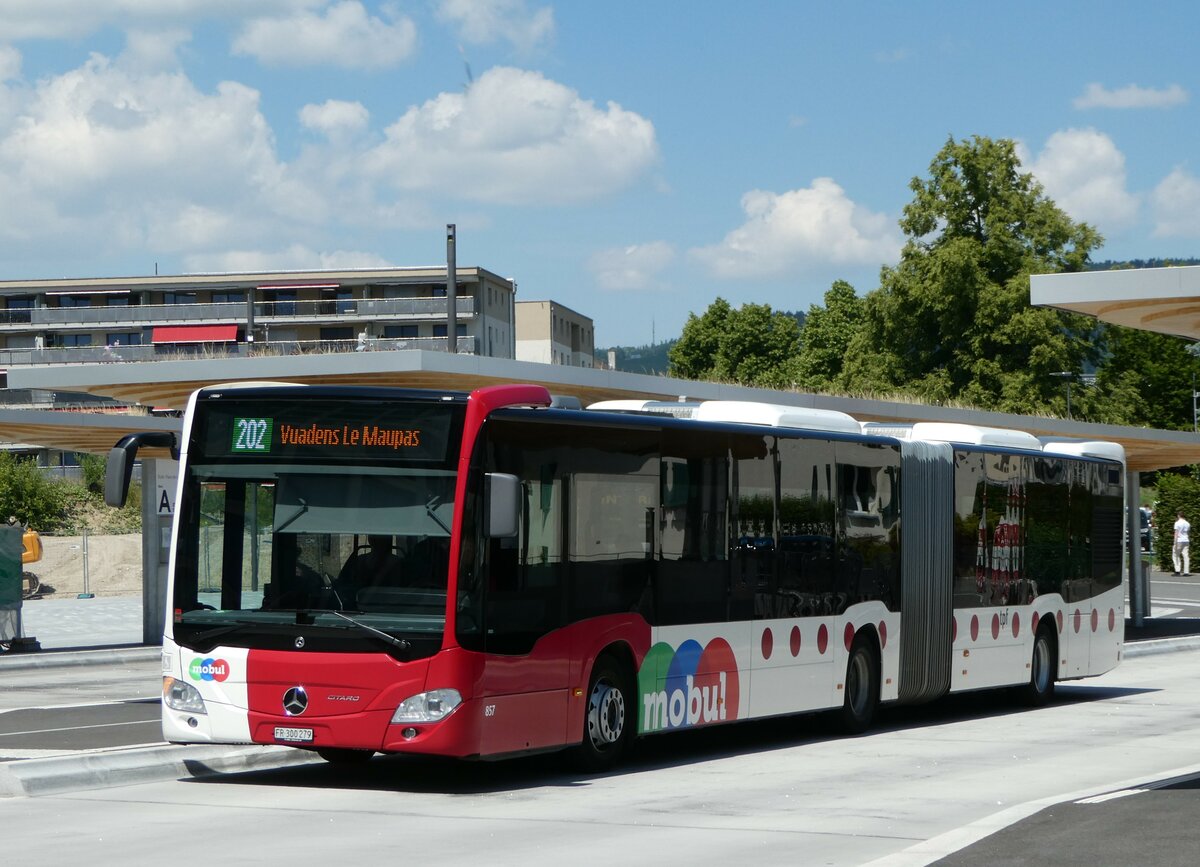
x=543, y=578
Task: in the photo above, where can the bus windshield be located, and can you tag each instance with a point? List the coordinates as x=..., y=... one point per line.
x=322, y=519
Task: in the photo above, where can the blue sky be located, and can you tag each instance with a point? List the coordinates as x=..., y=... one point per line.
x=632, y=160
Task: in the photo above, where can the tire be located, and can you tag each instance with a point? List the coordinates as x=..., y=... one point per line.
x=342, y=756
x=862, y=686
x=609, y=719
x=1043, y=670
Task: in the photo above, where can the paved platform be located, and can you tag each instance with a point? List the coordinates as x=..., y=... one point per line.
x=92, y=653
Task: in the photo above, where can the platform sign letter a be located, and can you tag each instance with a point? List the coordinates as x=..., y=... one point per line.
x=164, y=504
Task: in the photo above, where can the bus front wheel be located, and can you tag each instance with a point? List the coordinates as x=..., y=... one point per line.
x=608, y=721
x=862, y=686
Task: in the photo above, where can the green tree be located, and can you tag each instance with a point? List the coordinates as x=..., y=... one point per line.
x=1151, y=376
x=29, y=496
x=752, y=345
x=826, y=333
x=952, y=320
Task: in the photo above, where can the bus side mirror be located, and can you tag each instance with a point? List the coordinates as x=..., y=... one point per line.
x=120, y=462
x=502, y=498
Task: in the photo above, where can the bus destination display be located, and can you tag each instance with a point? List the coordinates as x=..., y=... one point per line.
x=323, y=431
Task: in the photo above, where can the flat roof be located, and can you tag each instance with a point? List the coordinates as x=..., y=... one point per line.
x=168, y=384
x=1165, y=300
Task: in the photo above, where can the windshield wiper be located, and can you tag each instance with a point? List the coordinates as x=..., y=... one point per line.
x=300, y=511
x=203, y=641
x=378, y=633
x=432, y=504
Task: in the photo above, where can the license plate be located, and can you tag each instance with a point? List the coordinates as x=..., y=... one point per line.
x=301, y=736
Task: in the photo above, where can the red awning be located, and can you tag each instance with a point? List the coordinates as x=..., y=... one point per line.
x=194, y=334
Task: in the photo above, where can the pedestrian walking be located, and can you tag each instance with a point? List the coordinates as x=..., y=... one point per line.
x=1179, y=550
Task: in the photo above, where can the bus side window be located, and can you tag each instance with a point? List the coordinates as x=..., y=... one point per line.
x=691, y=583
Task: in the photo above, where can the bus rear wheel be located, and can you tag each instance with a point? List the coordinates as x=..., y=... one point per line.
x=608, y=721
x=862, y=686
x=1043, y=670
x=341, y=756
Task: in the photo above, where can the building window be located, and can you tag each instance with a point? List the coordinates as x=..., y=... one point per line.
x=120, y=301
x=69, y=340
x=404, y=331
x=336, y=302
x=439, y=329
x=337, y=333
x=438, y=292
x=74, y=301
x=19, y=308
x=283, y=302
x=124, y=339
x=179, y=298
x=233, y=296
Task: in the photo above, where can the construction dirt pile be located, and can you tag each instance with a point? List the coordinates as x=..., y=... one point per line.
x=113, y=565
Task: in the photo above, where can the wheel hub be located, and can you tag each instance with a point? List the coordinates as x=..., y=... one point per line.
x=606, y=714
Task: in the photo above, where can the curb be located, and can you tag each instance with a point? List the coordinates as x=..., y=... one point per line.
x=71, y=658
x=102, y=770
x=1153, y=646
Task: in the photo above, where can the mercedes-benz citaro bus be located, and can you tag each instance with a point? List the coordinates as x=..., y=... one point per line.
x=364, y=570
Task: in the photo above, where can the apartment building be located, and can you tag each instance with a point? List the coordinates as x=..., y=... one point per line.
x=551, y=333
x=280, y=312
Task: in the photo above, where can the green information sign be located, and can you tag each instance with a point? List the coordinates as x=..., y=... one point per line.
x=252, y=435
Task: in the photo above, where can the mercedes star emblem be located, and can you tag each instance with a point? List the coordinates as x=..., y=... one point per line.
x=299, y=642
x=295, y=701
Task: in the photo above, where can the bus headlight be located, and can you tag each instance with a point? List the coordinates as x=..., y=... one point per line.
x=427, y=707
x=178, y=695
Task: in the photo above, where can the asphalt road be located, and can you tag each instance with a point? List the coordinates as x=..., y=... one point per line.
x=973, y=771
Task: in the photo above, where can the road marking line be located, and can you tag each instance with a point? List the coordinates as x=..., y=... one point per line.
x=1100, y=799
x=144, y=722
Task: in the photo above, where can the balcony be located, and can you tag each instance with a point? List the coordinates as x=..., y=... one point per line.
x=323, y=312
x=467, y=345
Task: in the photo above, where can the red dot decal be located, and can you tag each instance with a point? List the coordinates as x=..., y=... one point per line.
x=848, y=635
x=768, y=643
x=1036, y=618
x=974, y=627
x=882, y=634
x=822, y=639
x=1095, y=620
x=995, y=626
x=795, y=641
x=1112, y=620
x=1016, y=624
x=1058, y=616
x=1078, y=619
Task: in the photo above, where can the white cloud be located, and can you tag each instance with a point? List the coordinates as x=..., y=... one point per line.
x=485, y=21
x=344, y=36
x=514, y=137
x=108, y=157
x=1131, y=96
x=1084, y=173
x=1176, y=202
x=799, y=230
x=73, y=19
x=293, y=257
x=335, y=117
x=634, y=267
x=10, y=63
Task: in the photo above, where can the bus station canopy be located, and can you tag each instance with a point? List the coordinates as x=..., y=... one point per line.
x=1166, y=300
x=167, y=384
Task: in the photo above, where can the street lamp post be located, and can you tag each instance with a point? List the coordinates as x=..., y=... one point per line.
x=1066, y=376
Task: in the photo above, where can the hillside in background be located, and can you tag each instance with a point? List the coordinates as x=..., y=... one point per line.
x=651, y=359
x=1108, y=264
